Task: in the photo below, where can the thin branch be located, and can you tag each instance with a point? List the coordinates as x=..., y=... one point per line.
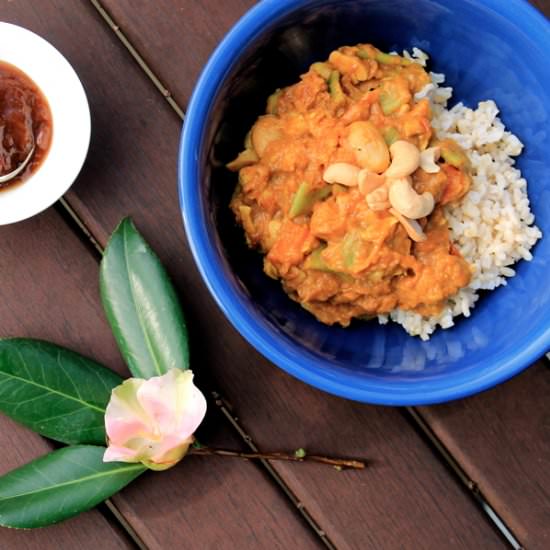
x=299, y=456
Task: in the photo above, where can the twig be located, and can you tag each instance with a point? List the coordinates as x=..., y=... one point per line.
x=299, y=456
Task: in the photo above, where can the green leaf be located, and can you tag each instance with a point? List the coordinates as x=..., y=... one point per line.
x=141, y=305
x=60, y=485
x=54, y=391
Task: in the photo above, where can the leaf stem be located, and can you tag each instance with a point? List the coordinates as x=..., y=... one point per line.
x=339, y=463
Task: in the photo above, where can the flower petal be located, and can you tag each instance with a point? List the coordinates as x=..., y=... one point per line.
x=124, y=416
x=116, y=453
x=158, y=397
x=153, y=421
x=191, y=405
x=120, y=430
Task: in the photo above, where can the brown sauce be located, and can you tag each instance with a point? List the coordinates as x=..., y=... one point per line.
x=25, y=118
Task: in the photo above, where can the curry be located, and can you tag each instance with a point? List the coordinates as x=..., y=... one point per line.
x=342, y=184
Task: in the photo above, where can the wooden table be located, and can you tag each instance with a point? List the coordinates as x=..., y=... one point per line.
x=472, y=474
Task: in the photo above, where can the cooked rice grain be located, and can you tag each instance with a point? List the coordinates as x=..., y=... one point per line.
x=492, y=226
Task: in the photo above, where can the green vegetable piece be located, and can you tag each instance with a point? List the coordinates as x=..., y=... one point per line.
x=384, y=58
x=316, y=261
x=142, y=306
x=322, y=193
x=335, y=87
x=389, y=102
x=248, y=140
x=300, y=202
x=350, y=245
x=300, y=453
x=388, y=59
x=54, y=391
x=245, y=158
x=322, y=69
x=453, y=156
x=272, y=101
x=60, y=485
x=305, y=198
x=390, y=135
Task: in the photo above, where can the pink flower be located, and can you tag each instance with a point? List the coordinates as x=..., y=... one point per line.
x=153, y=421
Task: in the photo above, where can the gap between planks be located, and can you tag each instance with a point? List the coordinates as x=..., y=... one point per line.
x=460, y=474
x=92, y=242
x=112, y=514
x=412, y=414
x=79, y=227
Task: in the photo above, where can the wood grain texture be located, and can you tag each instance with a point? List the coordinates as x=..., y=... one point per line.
x=50, y=291
x=198, y=25
x=39, y=284
x=542, y=5
x=508, y=458
x=408, y=499
x=208, y=502
x=502, y=440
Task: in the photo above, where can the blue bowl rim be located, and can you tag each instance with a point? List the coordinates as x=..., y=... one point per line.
x=368, y=390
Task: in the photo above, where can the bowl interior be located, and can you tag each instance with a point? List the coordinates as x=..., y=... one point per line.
x=485, y=52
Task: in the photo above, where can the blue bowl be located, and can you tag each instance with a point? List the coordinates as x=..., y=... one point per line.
x=488, y=49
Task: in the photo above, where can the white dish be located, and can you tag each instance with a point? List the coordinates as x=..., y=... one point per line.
x=71, y=125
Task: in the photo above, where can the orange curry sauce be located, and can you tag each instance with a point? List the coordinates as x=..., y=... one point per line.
x=335, y=255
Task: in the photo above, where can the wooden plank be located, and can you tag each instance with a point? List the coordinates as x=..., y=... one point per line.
x=208, y=502
x=503, y=455
x=502, y=440
x=87, y=532
x=408, y=497
x=37, y=294
x=49, y=291
x=198, y=25
x=53, y=294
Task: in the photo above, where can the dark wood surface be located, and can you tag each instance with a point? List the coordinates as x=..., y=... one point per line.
x=266, y=400
x=44, y=270
x=502, y=439
x=409, y=498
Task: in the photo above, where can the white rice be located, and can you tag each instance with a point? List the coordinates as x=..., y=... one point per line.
x=492, y=226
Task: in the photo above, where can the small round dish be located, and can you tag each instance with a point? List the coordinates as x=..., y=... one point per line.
x=63, y=90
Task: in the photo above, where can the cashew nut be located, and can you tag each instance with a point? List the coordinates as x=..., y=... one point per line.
x=343, y=173
x=412, y=227
x=405, y=159
x=266, y=130
x=378, y=199
x=369, y=181
x=428, y=159
x=371, y=151
x=407, y=201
